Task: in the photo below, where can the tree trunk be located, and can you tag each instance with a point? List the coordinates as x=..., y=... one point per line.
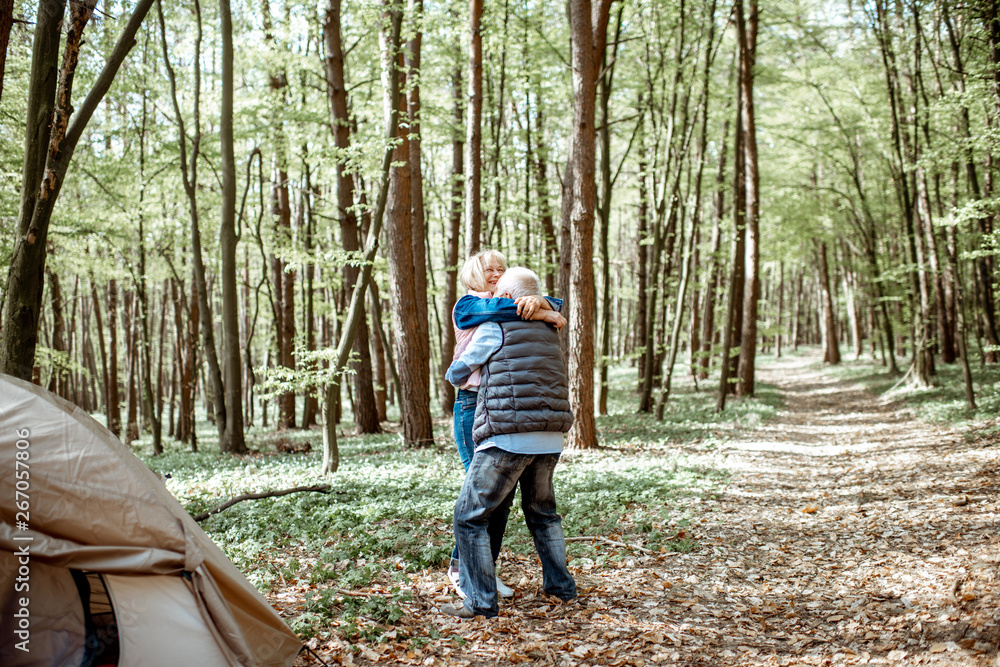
x=366, y=415
x=588, y=25
x=904, y=161
x=90, y=361
x=159, y=362
x=57, y=382
x=233, y=442
x=668, y=371
x=142, y=293
x=642, y=255
x=105, y=376
x=182, y=430
x=737, y=281
x=604, y=210
x=310, y=406
x=454, y=236
x=551, y=250
x=192, y=361
x=497, y=104
x=960, y=339
x=189, y=177
x=390, y=46
x=6, y=23
x=51, y=139
x=383, y=362
x=283, y=278
x=831, y=352
x=474, y=131
x=114, y=407
x=751, y=291
x=20, y=321
x=712, y=280
x=401, y=237
x=418, y=227
x=694, y=327
x=287, y=288
x=781, y=305
x=796, y=312
x=72, y=350
x=854, y=311
x=132, y=369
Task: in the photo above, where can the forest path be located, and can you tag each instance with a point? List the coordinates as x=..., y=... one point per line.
x=852, y=533
x=849, y=533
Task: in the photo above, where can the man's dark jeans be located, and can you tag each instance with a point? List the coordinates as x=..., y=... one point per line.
x=464, y=415
x=489, y=482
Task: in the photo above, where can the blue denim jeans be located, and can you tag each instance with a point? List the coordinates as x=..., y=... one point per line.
x=490, y=482
x=464, y=415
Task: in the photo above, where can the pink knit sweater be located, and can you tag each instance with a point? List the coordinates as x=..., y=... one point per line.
x=462, y=338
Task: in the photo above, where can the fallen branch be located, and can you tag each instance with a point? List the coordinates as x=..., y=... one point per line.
x=354, y=594
x=318, y=488
x=607, y=541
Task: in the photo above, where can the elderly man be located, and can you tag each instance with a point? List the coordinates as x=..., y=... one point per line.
x=521, y=415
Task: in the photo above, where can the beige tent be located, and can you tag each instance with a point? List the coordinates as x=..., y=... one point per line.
x=99, y=563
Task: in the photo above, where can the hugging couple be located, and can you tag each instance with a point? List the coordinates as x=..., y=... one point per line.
x=511, y=411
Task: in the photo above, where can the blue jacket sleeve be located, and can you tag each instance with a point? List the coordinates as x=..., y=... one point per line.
x=471, y=311
x=485, y=342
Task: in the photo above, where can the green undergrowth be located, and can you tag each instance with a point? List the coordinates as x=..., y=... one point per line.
x=944, y=402
x=388, y=513
x=689, y=414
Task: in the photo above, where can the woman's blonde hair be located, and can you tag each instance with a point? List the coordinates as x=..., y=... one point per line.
x=472, y=276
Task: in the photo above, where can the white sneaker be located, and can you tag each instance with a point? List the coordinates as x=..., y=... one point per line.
x=453, y=577
x=503, y=590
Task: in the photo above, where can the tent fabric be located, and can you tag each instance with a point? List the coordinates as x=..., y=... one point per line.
x=59, y=620
x=177, y=629
x=95, y=506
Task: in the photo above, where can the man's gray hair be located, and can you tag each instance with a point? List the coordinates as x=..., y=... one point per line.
x=519, y=281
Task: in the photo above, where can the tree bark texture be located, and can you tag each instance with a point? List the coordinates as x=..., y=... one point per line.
x=366, y=415
x=392, y=84
x=642, y=255
x=105, y=378
x=282, y=276
x=831, y=352
x=6, y=23
x=751, y=292
x=418, y=228
x=454, y=237
x=588, y=25
x=114, y=401
x=401, y=238
x=474, y=131
x=737, y=282
x=142, y=292
x=233, y=442
x=50, y=141
x=604, y=210
x=551, y=252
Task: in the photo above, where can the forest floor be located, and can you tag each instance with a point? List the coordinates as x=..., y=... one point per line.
x=849, y=533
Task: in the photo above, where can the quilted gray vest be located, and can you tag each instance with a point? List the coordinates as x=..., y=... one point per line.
x=524, y=385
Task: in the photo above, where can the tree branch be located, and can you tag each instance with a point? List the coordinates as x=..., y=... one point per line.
x=318, y=488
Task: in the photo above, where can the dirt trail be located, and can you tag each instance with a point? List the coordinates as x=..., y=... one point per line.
x=850, y=533
x=864, y=536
